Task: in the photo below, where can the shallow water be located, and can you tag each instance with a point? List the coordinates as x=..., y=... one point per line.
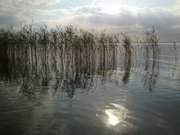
x=93, y=94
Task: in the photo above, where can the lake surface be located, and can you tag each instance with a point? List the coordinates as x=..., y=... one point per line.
x=57, y=91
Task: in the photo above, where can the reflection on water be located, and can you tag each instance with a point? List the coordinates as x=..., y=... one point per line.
x=89, y=89
x=151, y=69
x=117, y=115
x=112, y=119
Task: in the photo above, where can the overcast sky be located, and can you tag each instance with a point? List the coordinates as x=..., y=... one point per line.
x=132, y=16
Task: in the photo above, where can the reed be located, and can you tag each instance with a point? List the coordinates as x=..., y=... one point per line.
x=152, y=51
x=68, y=55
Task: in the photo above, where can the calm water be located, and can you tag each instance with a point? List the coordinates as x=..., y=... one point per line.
x=57, y=91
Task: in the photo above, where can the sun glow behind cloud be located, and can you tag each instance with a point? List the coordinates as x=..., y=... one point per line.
x=111, y=6
x=118, y=14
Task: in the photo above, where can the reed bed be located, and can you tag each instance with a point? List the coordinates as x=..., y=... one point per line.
x=66, y=57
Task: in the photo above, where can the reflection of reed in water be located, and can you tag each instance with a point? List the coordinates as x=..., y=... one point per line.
x=127, y=58
x=175, y=57
x=151, y=60
x=66, y=66
x=67, y=59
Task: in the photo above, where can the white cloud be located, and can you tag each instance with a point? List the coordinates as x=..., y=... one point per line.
x=26, y=10
x=165, y=21
x=178, y=6
x=116, y=14
x=112, y=6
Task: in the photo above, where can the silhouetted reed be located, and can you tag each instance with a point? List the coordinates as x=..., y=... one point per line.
x=67, y=58
x=62, y=58
x=151, y=63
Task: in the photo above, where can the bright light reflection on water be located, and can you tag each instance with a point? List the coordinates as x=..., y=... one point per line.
x=112, y=119
x=116, y=115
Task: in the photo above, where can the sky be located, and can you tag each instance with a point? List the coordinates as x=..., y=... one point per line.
x=131, y=16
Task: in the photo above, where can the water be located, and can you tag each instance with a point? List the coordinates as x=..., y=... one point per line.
x=60, y=91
